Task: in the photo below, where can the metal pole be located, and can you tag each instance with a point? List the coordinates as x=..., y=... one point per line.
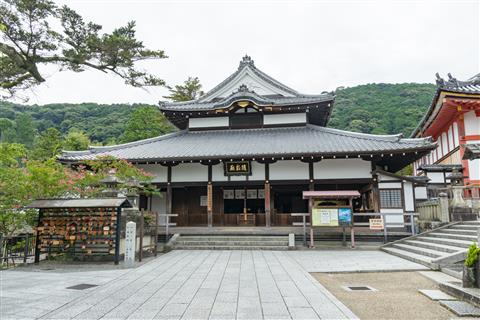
x=385, y=237
x=312, y=243
x=117, y=236
x=304, y=217
x=25, y=253
x=156, y=233
x=140, y=252
x=352, y=236
x=167, y=222
x=344, y=237
x=412, y=223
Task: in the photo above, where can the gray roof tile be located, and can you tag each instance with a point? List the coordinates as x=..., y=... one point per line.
x=307, y=140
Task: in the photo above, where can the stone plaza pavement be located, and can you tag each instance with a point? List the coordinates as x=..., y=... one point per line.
x=194, y=285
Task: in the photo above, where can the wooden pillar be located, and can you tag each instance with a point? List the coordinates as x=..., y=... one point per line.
x=37, y=239
x=117, y=235
x=210, y=198
x=375, y=190
x=168, y=205
x=311, y=184
x=267, y=196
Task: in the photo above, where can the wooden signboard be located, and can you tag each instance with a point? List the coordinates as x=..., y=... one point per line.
x=237, y=168
x=209, y=197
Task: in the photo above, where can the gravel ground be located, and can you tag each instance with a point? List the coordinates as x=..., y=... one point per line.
x=397, y=295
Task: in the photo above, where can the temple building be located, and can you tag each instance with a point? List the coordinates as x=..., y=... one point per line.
x=246, y=150
x=453, y=121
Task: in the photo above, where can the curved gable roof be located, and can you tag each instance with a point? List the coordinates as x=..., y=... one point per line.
x=247, y=79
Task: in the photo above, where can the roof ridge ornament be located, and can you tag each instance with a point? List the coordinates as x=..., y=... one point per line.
x=246, y=61
x=243, y=88
x=440, y=81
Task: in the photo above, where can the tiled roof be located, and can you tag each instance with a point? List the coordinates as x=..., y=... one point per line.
x=453, y=85
x=472, y=85
x=209, y=102
x=440, y=167
x=472, y=151
x=246, y=95
x=294, y=141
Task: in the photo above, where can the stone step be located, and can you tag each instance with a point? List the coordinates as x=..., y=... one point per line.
x=199, y=247
x=445, y=241
x=459, y=231
x=465, y=226
x=434, y=246
x=452, y=236
x=419, y=250
x=226, y=238
x=417, y=258
x=232, y=242
x=476, y=222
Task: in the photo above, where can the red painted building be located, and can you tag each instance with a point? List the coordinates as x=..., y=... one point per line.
x=453, y=121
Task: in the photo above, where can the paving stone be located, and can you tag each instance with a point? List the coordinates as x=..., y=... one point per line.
x=461, y=308
x=189, y=284
x=303, y=313
x=436, y=294
x=296, y=302
x=438, y=276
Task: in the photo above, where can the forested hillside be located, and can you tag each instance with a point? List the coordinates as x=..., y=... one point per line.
x=371, y=108
x=381, y=108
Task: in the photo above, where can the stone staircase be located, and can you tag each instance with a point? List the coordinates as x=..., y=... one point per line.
x=230, y=242
x=438, y=248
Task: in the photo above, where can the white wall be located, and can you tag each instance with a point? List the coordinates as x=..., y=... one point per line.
x=456, y=140
x=190, y=172
x=436, y=177
x=474, y=169
x=393, y=218
x=444, y=143
x=285, y=118
x=159, y=171
x=208, y=122
x=450, y=138
x=472, y=124
x=408, y=196
x=288, y=170
x=391, y=185
x=342, y=169
x=421, y=193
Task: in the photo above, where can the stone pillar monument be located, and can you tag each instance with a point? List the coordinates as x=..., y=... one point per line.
x=130, y=245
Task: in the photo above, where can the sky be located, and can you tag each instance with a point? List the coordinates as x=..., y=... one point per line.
x=311, y=46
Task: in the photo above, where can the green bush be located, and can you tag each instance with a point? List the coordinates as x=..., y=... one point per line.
x=472, y=255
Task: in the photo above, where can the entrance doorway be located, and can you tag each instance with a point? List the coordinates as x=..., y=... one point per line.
x=244, y=201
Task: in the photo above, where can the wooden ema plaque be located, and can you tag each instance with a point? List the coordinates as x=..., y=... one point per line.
x=79, y=232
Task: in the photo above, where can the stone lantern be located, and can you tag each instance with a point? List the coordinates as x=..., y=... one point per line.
x=456, y=182
x=133, y=186
x=111, y=182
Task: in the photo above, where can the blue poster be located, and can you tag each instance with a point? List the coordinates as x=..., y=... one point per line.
x=344, y=216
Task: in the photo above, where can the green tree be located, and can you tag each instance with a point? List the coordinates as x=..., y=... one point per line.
x=145, y=122
x=6, y=129
x=47, y=145
x=37, y=33
x=76, y=140
x=191, y=89
x=25, y=129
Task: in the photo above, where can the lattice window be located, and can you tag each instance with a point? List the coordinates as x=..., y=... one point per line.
x=391, y=198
